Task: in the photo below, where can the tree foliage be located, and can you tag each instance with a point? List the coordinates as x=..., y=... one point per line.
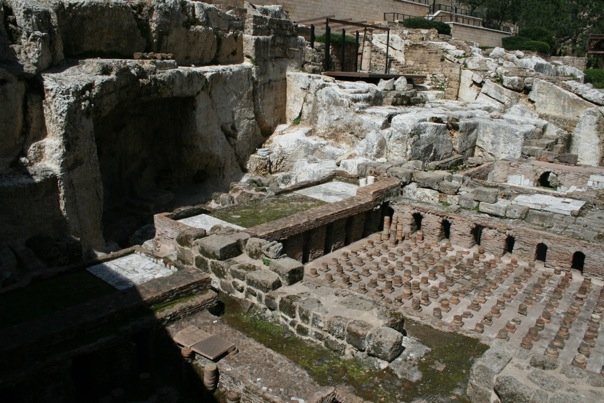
x=568, y=21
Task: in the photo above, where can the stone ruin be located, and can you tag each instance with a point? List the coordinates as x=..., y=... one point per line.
x=129, y=127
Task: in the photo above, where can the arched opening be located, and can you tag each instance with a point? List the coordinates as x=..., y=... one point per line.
x=477, y=234
x=541, y=252
x=445, y=229
x=417, y=221
x=548, y=180
x=578, y=261
x=509, y=244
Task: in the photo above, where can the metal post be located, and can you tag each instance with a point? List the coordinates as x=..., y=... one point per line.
x=356, y=52
x=343, y=50
x=312, y=36
x=387, y=50
x=327, y=61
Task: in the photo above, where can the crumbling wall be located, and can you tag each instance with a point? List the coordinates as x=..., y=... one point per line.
x=142, y=129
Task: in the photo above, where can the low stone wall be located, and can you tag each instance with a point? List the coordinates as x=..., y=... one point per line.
x=503, y=374
x=476, y=214
x=254, y=270
x=311, y=234
x=484, y=37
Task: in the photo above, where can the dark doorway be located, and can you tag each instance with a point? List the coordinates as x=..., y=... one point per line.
x=545, y=180
x=541, y=252
x=446, y=229
x=417, y=221
x=510, y=241
x=578, y=261
x=477, y=234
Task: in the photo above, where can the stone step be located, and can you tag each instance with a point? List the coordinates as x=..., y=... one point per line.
x=70, y=330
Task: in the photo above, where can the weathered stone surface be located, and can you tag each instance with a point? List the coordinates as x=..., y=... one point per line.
x=263, y=280
x=588, y=138
x=509, y=389
x=356, y=334
x=99, y=28
x=12, y=93
x=554, y=101
x=430, y=179
x=188, y=236
x=501, y=139
x=495, y=209
x=289, y=270
x=288, y=304
x=384, y=343
x=513, y=83
x=498, y=93
x=486, y=195
x=219, y=247
x=336, y=326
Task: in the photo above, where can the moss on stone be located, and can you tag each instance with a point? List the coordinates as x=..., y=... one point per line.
x=262, y=211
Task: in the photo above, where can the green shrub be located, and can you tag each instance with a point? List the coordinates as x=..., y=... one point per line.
x=336, y=39
x=423, y=23
x=522, y=43
x=538, y=34
x=595, y=76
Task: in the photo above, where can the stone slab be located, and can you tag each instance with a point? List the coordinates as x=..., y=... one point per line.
x=213, y=347
x=205, y=221
x=130, y=270
x=552, y=204
x=330, y=192
x=190, y=336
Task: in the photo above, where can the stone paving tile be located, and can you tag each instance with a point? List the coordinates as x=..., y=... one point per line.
x=130, y=270
x=330, y=192
x=205, y=221
x=543, y=310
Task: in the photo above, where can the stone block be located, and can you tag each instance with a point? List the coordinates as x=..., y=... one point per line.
x=431, y=179
x=185, y=238
x=307, y=307
x=288, y=304
x=240, y=271
x=540, y=218
x=516, y=212
x=495, y=209
x=264, y=280
x=289, y=270
x=336, y=326
x=356, y=334
x=384, y=343
x=219, y=247
x=271, y=300
x=510, y=389
x=449, y=188
x=334, y=345
x=202, y=263
x=467, y=201
x=486, y=195
x=492, y=362
x=301, y=330
x=218, y=268
x=404, y=174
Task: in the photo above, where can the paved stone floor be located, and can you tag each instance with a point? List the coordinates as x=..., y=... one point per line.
x=130, y=270
x=330, y=192
x=543, y=310
x=205, y=221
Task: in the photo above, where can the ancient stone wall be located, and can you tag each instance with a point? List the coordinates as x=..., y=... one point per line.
x=109, y=130
x=355, y=9
x=482, y=36
x=423, y=58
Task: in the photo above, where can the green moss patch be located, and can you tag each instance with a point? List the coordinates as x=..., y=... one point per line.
x=446, y=368
x=266, y=210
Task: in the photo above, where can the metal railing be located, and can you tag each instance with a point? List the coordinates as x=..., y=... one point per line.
x=462, y=19
x=393, y=17
x=452, y=9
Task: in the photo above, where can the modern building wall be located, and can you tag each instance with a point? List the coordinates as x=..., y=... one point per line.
x=359, y=10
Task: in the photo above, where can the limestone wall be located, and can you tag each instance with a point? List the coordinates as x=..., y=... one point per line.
x=482, y=36
x=356, y=9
